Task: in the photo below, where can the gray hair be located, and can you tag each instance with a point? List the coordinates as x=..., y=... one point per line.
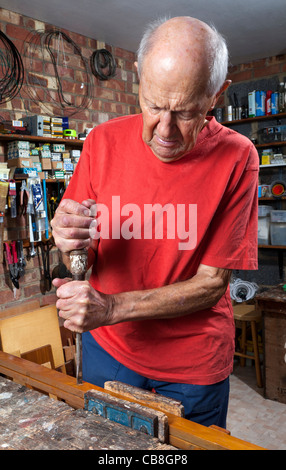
x=217, y=54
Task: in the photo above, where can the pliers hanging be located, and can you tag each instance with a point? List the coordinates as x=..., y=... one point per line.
x=23, y=200
x=12, y=261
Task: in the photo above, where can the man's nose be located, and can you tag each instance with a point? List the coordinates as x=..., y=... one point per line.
x=167, y=123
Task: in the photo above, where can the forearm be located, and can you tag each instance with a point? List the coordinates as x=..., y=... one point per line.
x=198, y=293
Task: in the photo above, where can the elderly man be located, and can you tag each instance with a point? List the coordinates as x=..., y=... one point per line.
x=176, y=211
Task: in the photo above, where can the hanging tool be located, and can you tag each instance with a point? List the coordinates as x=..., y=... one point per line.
x=12, y=199
x=21, y=258
x=31, y=233
x=12, y=264
x=78, y=261
x=46, y=281
x=15, y=261
x=32, y=225
x=24, y=198
x=53, y=204
x=46, y=210
x=4, y=187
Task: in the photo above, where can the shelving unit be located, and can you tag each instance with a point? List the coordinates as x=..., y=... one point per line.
x=254, y=119
x=5, y=138
x=42, y=140
x=280, y=249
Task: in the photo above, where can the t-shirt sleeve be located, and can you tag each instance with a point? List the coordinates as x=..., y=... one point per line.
x=81, y=186
x=232, y=239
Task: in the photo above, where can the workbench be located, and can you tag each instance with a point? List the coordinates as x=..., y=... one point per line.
x=272, y=303
x=52, y=416
x=30, y=420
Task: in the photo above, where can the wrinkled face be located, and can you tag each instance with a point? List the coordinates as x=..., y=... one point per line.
x=174, y=107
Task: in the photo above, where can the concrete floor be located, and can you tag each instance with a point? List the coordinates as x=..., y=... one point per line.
x=251, y=417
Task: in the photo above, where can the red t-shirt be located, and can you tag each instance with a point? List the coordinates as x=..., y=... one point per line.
x=211, y=196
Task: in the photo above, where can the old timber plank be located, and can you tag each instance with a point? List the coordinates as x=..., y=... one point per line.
x=65, y=387
x=30, y=420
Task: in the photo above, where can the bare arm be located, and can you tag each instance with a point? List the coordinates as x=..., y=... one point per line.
x=198, y=293
x=85, y=309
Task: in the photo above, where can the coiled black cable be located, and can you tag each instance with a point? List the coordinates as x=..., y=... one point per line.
x=100, y=60
x=48, y=40
x=11, y=70
x=36, y=44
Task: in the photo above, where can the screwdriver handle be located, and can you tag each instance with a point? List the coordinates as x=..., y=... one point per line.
x=78, y=268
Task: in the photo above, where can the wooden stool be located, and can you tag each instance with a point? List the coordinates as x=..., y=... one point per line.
x=244, y=314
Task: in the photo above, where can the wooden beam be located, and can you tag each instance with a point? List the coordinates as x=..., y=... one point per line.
x=183, y=433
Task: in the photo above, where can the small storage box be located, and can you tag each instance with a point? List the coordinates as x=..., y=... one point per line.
x=278, y=227
x=264, y=224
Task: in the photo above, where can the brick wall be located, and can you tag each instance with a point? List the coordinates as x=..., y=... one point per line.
x=114, y=97
x=267, y=71
x=263, y=74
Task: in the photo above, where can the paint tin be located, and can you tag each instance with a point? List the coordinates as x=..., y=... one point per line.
x=251, y=104
x=268, y=102
x=260, y=103
x=274, y=103
x=265, y=190
x=229, y=113
x=218, y=114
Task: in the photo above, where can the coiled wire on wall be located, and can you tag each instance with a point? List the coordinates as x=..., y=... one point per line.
x=241, y=291
x=100, y=60
x=11, y=70
x=50, y=35
x=36, y=45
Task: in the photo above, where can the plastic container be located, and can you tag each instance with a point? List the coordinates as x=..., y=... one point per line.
x=278, y=227
x=264, y=224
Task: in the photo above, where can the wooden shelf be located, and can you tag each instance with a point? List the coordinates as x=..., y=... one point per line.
x=256, y=118
x=49, y=180
x=275, y=165
x=271, y=144
x=41, y=140
x=270, y=198
x=276, y=247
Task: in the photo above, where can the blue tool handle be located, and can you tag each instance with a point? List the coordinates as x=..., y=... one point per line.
x=46, y=209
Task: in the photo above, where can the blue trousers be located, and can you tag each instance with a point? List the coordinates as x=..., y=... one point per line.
x=204, y=404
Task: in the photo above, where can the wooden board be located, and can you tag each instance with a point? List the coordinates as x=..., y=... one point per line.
x=33, y=330
x=272, y=303
x=32, y=421
x=182, y=433
x=19, y=309
x=159, y=402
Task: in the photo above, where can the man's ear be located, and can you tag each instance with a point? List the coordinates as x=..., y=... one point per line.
x=222, y=89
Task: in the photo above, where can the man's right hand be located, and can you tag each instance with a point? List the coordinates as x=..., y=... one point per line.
x=71, y=225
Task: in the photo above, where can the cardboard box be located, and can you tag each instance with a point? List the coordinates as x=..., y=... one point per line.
x=46, y=164
x=38, y=166
x=75, y=153
x=18, y=153
x=19, y=144
x=66, y=155
x=20, y=163
x=58, y=147
x=59, y=174
x=57, y=165
x=68, y=167
x=27, y=171
x=251, y=104
x=35, y=158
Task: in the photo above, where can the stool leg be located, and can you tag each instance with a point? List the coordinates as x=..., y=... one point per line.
x=243, y=343
x=256, y=353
